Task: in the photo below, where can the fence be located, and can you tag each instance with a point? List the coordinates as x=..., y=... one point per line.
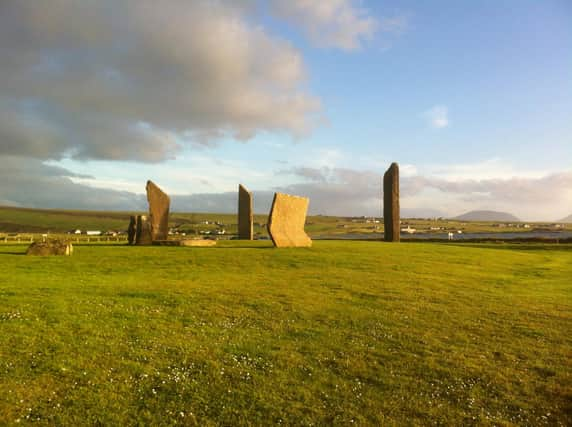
x=30, y=238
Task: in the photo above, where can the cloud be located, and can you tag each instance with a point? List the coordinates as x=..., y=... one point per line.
x=140, y=79
x=344, y=191
x=548, y=189
x=332, y=191
x=31, y=183
x=340, y=191
x=334, y=23
x=35, y=184
x=437, y=116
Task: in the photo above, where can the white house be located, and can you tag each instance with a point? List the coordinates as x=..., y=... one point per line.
x=408, y=230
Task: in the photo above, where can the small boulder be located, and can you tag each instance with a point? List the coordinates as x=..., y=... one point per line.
x=51, y=247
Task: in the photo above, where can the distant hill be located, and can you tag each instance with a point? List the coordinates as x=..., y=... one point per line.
x=567, y=219
x=487, y=216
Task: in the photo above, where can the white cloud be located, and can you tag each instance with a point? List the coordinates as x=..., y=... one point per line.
x=494, y=168
x=139, y=79
x=344, y=191
x=437, y=116
x=333, y=23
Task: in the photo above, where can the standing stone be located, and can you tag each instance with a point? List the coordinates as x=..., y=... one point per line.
x=391, y=203
x=143, y=234
x=286, y=221
x=132, y=230
x=244, y=213
x=158, y=211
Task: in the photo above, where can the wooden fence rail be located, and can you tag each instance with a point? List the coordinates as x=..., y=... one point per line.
x=30, y=238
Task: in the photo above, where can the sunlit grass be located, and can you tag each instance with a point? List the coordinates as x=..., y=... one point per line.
x=344, y=332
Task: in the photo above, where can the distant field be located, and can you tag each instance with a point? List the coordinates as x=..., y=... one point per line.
x=20, y=220
x=364, y=333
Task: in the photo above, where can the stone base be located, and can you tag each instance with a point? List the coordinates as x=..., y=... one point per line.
x=187, y=242
x=49, y=248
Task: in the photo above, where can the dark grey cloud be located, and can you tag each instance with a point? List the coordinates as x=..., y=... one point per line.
x=135, y=79
x=31, y=183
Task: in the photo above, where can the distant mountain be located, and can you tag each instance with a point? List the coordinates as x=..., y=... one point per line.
x=567, y=219
x=487, y=216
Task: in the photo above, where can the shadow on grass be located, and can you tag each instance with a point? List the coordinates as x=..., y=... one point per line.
x=563, y=247
x=107, y=245
x=222, y=246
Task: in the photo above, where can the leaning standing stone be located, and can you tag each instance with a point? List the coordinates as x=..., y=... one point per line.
x=158, y=211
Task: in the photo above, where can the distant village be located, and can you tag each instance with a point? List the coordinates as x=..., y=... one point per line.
x=216, y=230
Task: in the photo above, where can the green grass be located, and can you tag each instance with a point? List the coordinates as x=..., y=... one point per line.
x=343, y=333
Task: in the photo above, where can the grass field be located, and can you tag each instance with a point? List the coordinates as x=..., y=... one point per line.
x=363, y=333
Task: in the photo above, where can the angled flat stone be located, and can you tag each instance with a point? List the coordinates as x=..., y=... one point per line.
x=391, y=204
x=286, y=221
x=159, y=204
x=245, y=228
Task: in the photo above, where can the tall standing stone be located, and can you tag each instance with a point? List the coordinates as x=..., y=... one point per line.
x=286, y=221
x=244, y=213
x=158, y=211
x=391, y=203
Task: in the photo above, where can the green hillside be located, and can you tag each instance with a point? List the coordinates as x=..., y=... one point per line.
x=343, y=333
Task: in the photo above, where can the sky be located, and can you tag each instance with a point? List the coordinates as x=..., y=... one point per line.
x=308, y=97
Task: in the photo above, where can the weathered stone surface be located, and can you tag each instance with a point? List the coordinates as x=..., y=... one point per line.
x=51, y=247
x=185, y=242
x=158, y=211
x=132, y=230
x=286, y=221
x=244, y=214
x=391, y=203
x=197, y=242
x=143, y=231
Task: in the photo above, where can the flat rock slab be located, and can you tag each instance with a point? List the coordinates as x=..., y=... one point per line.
x=286, y=221
x=50, y=248
x=187, y=242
